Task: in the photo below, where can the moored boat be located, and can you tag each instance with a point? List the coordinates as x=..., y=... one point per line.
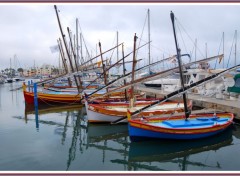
x=180, y=127
x=110, y=112
x=177, y=127
x=51, y=97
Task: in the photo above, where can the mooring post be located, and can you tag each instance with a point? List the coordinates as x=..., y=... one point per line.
x=35, y=95
x=28, y=86
x=36, y=118
x=36, y=104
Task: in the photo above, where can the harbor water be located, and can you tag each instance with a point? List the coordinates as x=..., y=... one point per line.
x=59, y=138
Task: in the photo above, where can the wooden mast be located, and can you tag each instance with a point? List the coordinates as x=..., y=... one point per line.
x=149, y=55
x=65, y=43
x=75, y=59
x=187, y=112
x=77, y=49
x=103, y=65
x=133, y=69
x=124, y=72
x=81, y=50
x=64, y=60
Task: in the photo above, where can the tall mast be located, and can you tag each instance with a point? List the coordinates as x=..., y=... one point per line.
x=117, y=53
x=195, y=51
x=81, y=50
x=133, y=65
x=223, y=50
x=117, y=47
x=64, y=61
x=149, y=56
x=103, y=65
x=206, y=49
x=235, y=63
x=187, y=112
x=124, y=71
x=75, y=59
x=77, y=49
x=10, y=68
x=65, y=43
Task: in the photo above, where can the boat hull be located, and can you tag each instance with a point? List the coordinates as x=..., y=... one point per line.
x=95, y=117
x=110, y=112
x=140, y=129
x=52, y=98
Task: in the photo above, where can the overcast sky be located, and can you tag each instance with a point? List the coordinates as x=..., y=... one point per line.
x=28, y=30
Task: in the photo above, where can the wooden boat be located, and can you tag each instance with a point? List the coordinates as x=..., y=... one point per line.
x=121, y=100
x=73, y=97
x=177, y=127
x=52, y=97
x=110, y=112
x=180, y=127
x=168, y=150
x=66, y=87
x=102, y=96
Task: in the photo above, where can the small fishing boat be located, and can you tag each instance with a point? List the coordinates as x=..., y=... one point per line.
x=110, y=112
x=179, y=127
x=66, y=87
x=64, y=97
x=51, y=97
x=9, y=80
x=98, y=96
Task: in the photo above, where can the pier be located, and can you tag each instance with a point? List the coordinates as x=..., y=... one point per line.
x=210, y=103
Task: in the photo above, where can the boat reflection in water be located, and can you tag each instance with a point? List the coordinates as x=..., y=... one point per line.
x=176, y=151
x=74, y=120
x=46, y=108
x=109, y=146
x=104, y=132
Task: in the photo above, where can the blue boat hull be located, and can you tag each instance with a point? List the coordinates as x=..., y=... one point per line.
x=138, y=133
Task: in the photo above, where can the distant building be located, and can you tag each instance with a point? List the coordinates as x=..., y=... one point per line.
x=44, y=70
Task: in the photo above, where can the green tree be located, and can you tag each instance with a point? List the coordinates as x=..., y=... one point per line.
x=20, y=70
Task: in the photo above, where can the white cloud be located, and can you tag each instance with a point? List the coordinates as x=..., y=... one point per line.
x=28, y=30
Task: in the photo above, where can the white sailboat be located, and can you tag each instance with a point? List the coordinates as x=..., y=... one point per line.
x=10, y=79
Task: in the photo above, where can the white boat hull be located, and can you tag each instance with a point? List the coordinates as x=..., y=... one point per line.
x=97, y=117
x=94, y=117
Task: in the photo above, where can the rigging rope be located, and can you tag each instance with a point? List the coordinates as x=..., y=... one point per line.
x=188, y=36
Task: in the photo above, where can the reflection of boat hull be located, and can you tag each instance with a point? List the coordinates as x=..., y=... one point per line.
x=157, y=150
x=99, y=132
x=197, y=126
x=45, y=109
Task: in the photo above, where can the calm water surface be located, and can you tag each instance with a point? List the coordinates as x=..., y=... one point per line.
x=60, y=139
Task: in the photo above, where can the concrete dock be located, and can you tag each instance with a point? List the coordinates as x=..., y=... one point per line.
x=225, y=105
